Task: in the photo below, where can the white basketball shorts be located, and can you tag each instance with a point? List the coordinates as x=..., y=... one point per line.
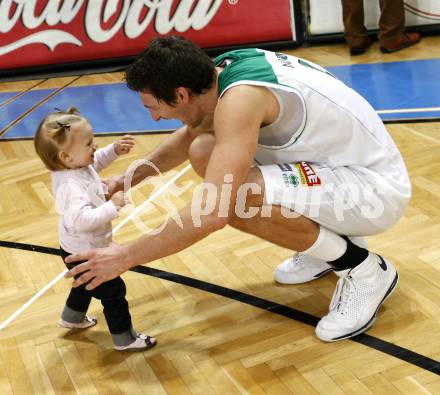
x=341, y=199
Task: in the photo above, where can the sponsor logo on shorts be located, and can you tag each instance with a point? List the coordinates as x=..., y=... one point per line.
x=307, y=174
x=284, y=60
x=290, y=180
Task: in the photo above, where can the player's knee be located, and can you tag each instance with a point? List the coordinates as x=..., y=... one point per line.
x=254, y=187
x=200, y=151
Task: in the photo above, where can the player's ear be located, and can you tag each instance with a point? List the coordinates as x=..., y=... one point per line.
x=183, y=95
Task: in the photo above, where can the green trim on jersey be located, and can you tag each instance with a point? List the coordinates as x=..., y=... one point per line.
x=246, y=65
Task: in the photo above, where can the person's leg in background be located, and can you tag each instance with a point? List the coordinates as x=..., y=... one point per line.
x=392, y=35
x=355, y=32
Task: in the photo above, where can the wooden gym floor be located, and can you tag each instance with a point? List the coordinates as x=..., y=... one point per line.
x=233, y=340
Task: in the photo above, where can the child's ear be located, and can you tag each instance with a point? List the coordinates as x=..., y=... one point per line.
x=64, y=157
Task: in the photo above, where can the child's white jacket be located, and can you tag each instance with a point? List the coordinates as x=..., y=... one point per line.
x=85, y=216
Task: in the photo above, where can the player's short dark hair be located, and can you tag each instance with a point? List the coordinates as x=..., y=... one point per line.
x=168, y=63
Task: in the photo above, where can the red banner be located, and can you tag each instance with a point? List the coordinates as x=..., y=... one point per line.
x=48, y=32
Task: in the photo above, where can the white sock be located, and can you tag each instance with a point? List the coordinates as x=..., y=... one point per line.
x=328, y=246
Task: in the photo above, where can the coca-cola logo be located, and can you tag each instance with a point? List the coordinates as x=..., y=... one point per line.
x=132, y=16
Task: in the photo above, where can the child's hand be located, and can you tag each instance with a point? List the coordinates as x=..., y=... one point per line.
x=118, y=199
x=124, y=145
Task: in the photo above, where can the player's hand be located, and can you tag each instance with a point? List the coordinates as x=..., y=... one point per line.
x=124, y=145
x=101, y=265
x=113, y=185
x=118, y=199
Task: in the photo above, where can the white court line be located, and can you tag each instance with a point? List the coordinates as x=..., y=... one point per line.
x=406, y=110
x=12, y=317
x=61, y=275
x=151, y=198
x=421, y=135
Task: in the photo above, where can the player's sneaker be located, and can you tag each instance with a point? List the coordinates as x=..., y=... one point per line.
x=300, y=269
x=303, y=268
x=359, y=294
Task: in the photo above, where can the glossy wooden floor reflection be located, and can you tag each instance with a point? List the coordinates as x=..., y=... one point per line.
x=207, y=343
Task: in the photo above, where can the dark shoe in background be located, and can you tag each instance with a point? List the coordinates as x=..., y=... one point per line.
x=360, y=49
x=405, y=41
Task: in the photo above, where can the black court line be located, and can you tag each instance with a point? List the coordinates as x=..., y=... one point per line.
x=383, y=346
x=410, y=120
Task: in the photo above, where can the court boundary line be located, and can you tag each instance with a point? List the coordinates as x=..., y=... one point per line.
x=409, y=120
x=383, y=346
x=408, y=110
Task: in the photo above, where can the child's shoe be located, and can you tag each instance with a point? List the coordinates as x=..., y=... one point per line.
x=141, y=343
x=86, y=323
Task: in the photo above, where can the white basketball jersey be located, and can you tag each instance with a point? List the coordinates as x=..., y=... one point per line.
x=321, y=120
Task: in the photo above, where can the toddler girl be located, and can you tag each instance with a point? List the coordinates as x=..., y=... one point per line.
x=64, y=142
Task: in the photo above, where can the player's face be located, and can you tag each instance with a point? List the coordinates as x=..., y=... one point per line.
x=185, y=109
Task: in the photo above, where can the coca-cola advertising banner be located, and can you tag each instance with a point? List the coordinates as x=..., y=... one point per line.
x=50, y=32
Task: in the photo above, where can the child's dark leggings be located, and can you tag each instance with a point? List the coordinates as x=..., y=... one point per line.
x=112, y=296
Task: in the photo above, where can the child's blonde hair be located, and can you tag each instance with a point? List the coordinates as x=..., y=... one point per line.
x=53, y=134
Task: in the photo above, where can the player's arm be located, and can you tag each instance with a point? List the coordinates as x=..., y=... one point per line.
x=237, y=120
x=169, y=154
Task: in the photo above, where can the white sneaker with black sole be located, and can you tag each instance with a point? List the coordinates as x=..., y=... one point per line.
x=359, y=294
x=302, y=268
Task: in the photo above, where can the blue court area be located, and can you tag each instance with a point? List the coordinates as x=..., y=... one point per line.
x=398, y=91
x=4, y=97
x=110, y=108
